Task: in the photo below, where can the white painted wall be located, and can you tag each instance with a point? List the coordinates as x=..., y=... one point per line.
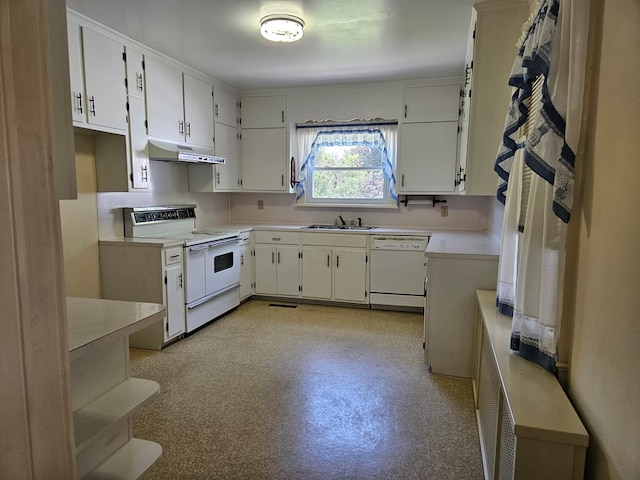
x=603, y=372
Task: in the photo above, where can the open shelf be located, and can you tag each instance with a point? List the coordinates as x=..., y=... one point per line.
x=115, y=405
x=131, y=461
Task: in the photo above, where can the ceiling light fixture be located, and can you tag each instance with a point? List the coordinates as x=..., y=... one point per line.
x=281, y=28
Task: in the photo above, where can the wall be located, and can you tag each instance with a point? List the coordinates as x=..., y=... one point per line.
x=79, y=221
x=348, y=102
x=603, y=375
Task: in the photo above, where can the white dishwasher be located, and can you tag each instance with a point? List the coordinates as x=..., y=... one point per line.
x=398, y=270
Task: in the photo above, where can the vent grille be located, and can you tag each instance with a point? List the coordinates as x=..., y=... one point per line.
x=507, y=444
x=488, y=403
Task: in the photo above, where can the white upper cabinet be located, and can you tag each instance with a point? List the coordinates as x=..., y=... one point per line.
x=431, y=104
x=264, y=144
x=490, y=55
x=137, y=145
x=428, y=140
x=221, y=177
x=97, y=73
x=177, y=111
x=225, y=108
x=263, y=112
x=165, y=110
x=428, y=158
x=198, y=111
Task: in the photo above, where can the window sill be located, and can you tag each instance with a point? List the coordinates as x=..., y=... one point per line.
x=348, y=205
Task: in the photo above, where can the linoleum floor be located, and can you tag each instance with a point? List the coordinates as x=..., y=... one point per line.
x=311, y=392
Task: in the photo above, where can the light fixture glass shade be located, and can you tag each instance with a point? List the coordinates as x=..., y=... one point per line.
x=281, y=28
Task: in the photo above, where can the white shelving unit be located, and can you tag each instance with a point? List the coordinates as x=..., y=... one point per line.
x=104, y=395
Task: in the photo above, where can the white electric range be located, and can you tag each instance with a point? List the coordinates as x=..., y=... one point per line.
x=211, y=258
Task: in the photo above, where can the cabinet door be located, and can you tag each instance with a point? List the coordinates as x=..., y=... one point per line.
x=104, y=75
x=427, y=157
x=165, y=115
x=137, y=151
x=316, y=272
x=265, y=269
x=76, y=76
x=246, y=271
x=135, y=73
x=287, y=262
x=431, y=104
x=174, y=295
x=226, y=145
x=225, y=108
x=198, y=111
x=350, y=275
x=263, y=112
x=264, y=153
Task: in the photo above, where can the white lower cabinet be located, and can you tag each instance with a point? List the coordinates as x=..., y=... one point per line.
x=146, y=273
x=334, y=267
x=277, y=263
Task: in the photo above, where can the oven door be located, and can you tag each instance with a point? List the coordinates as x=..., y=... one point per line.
x=222, y=268
x=195, y=266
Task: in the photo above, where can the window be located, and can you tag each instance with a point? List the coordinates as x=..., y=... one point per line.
x=347, y=165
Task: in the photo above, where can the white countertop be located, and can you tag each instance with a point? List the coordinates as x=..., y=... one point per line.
x=93, y=323
x=462, y=243
x=143, y=241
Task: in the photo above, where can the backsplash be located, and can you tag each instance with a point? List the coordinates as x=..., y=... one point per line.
x=464, y=213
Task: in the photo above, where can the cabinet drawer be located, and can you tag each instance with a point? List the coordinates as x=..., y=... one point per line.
x=334, y=240
x=173, y=255
x=285, y=238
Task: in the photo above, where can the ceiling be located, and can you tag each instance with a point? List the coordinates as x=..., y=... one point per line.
x=345, y=41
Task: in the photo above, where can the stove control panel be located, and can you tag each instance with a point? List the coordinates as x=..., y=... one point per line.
x=141, y=217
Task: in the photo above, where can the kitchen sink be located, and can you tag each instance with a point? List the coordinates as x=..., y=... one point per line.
x=338, y=227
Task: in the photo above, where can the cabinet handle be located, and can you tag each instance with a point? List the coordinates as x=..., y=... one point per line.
x=215, y=109
x=139, y=81
x=188, y=129
x=403, y=179
x=328, y=261
x=79, y=102
x=282, y=116
x=283, y=180
x=242, y=259
x=145, y=173
x=180, y=281
x=405, y=110
x=273, y=257
x=218, y=178
x=278, y=258
x=181, y=127
x=337, y=261
x=174, y=256
x=92, y=106
x=275, y=239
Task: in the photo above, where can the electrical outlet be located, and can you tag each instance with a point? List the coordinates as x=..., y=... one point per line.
x=260, y=204
x=444, y=211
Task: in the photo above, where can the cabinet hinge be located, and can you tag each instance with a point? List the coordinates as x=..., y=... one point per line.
x=131, y=178
x=300, y=288
x=142, y=64
x=146, y=124
x=474, y=33
x=166, y=327
x=459, y=128
x=469, y=93
x=366, y=294
x=126, y=83
x=239, y=120
x=366, y=259
x=124, y=56
x=165, y=279
x=127, y=106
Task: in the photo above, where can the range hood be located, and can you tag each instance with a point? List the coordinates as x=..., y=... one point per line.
x=171, y=152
